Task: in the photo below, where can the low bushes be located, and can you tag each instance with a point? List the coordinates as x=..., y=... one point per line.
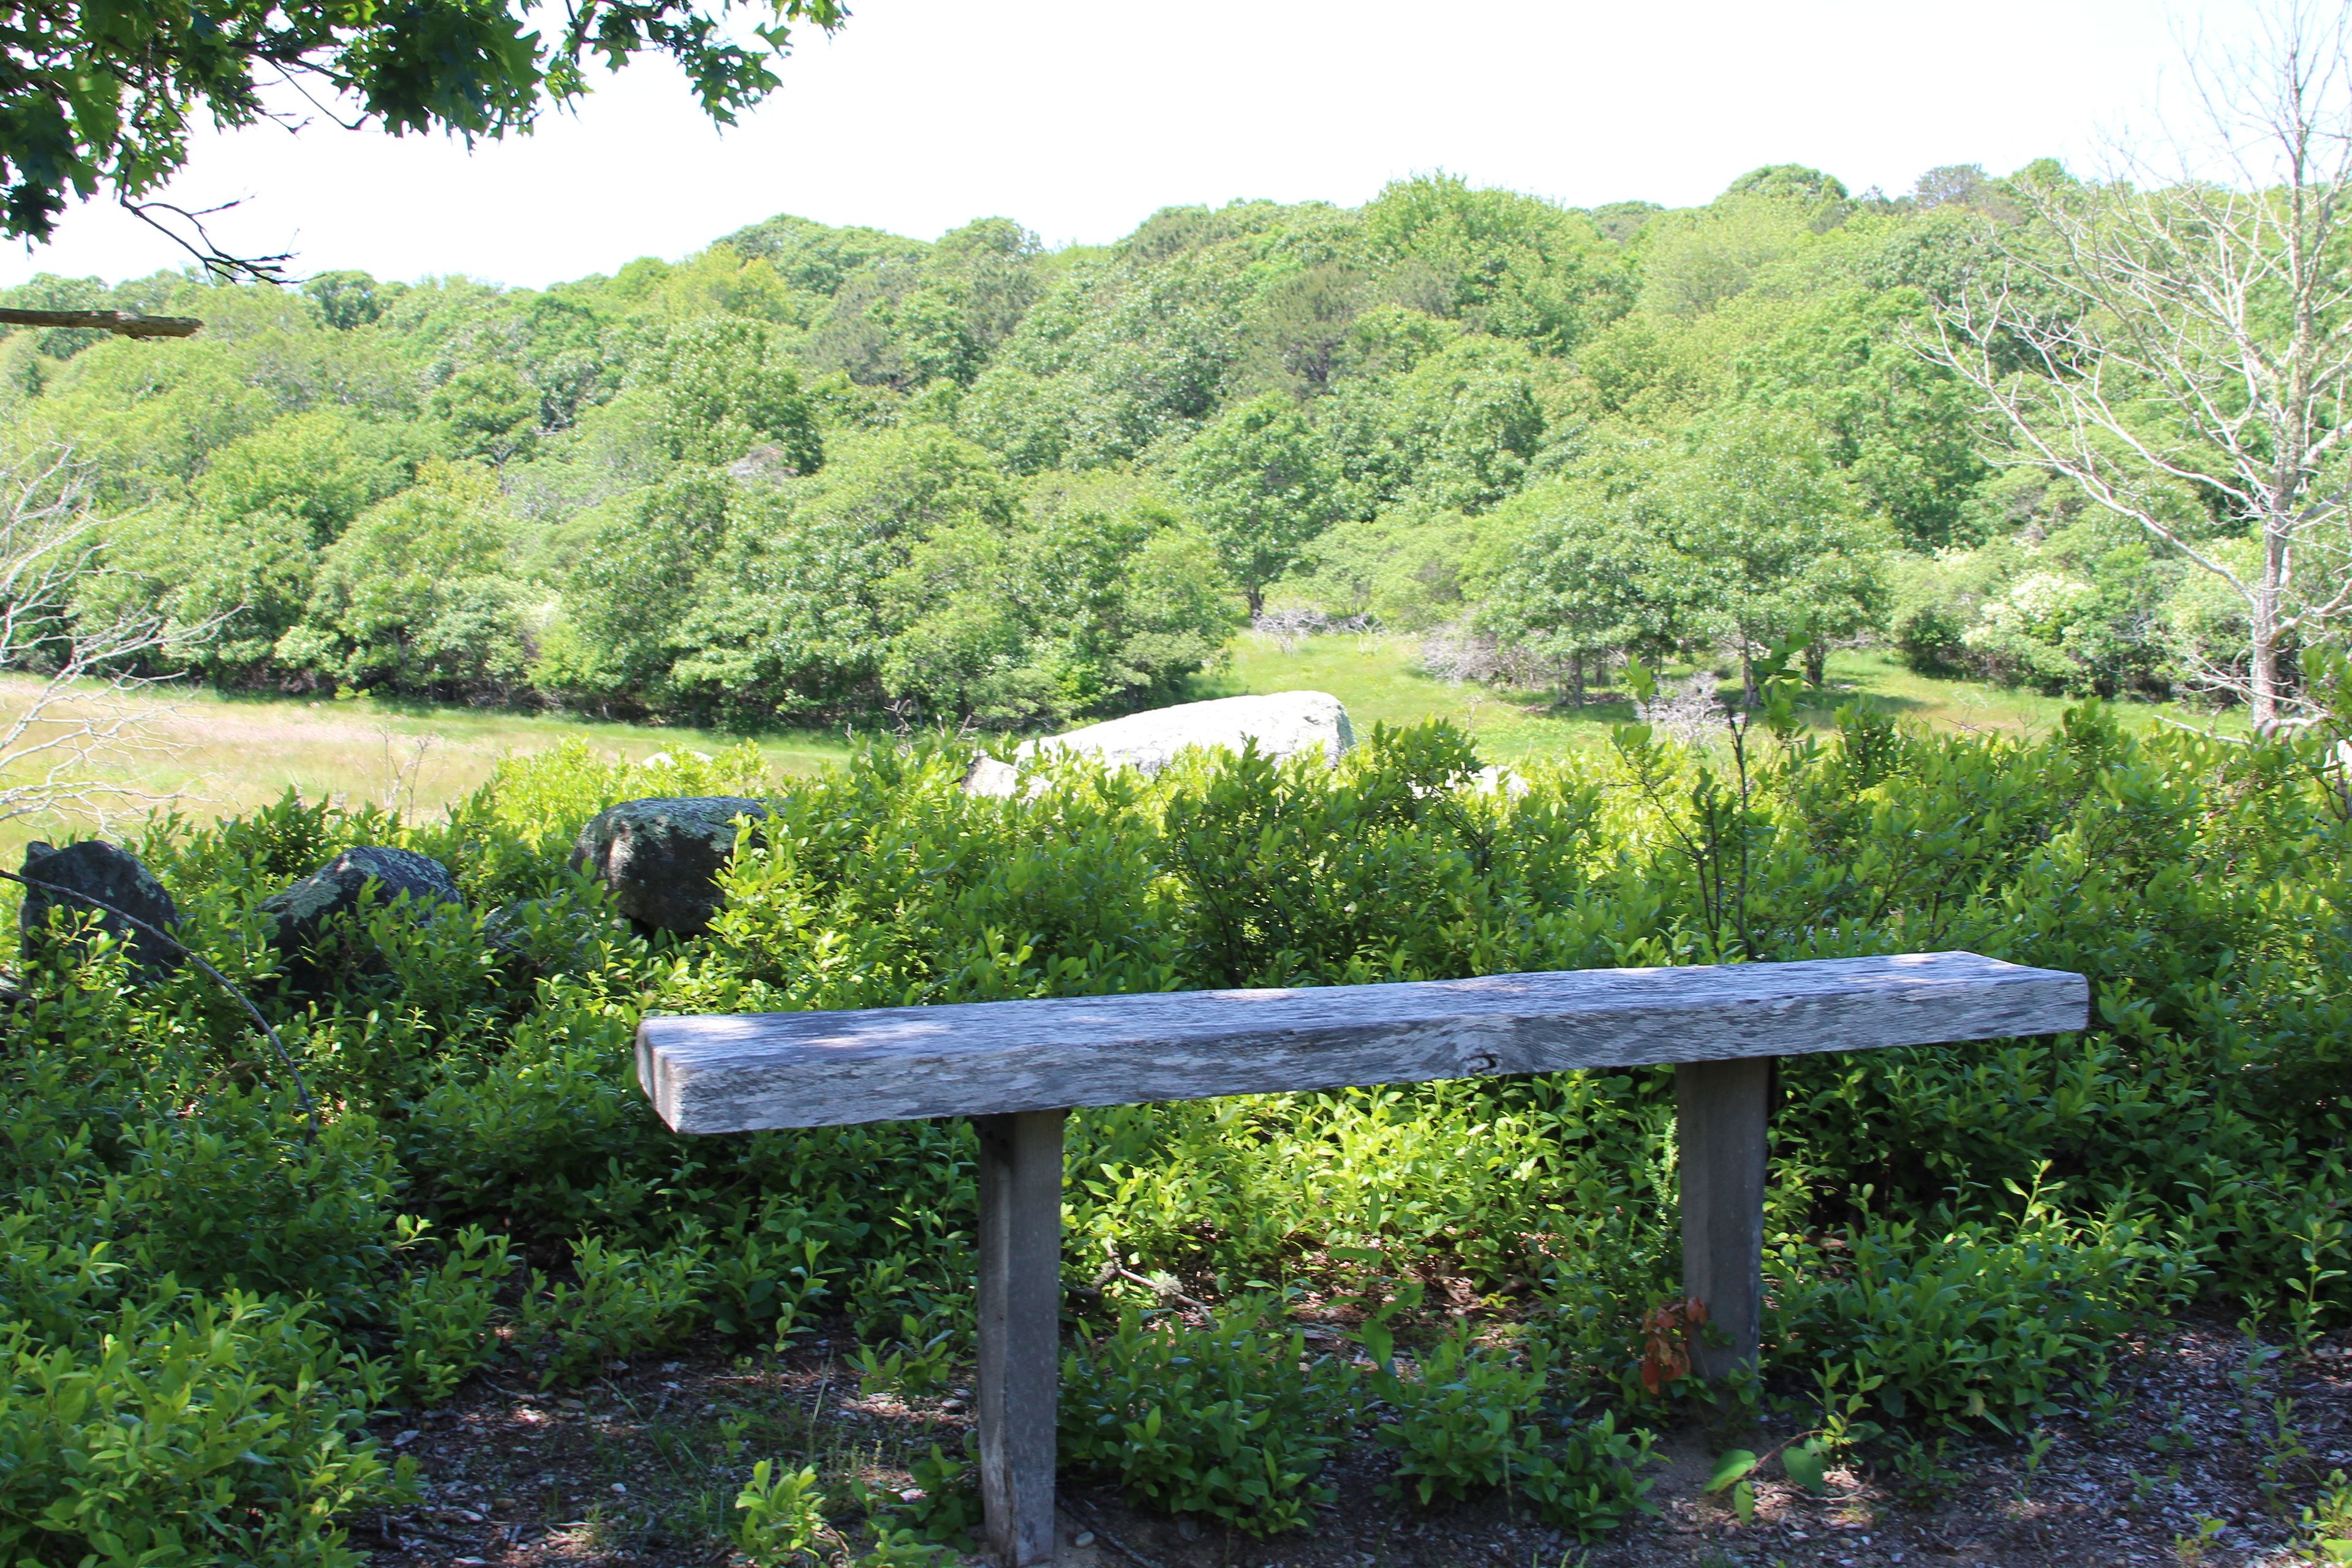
x=1975, y=1323
x=1236, y=1419
x=618, y=1301
x=1233, y=1420
x=1474, y=1419
x=487, y=1183
x=187, y=1430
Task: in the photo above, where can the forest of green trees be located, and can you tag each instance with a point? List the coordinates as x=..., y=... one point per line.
x=811, y=474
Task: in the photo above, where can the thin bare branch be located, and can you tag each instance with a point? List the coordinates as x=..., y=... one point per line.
x=87, y=706
x=2179, y=346
x=198, y=241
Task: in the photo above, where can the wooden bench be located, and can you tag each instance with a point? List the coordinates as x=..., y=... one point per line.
x=1016, y=1067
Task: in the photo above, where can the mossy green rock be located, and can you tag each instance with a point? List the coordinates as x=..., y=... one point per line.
x=661, y=858
x=113, y=875
x=335, y=887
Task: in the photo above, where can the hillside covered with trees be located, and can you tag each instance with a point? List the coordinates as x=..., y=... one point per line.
x=810, y=474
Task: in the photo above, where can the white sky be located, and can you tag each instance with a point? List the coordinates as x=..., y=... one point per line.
x=1080, y=118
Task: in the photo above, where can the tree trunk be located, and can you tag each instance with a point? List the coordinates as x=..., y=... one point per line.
x=1575, y=679
x=2264, y=711
x=2263, y=634
x=1817, y=660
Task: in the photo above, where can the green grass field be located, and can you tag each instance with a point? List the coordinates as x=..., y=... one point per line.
x=211, y=755
x=215, y=756
x=1380, y=681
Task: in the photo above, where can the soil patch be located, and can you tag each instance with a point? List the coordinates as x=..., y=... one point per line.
x=2191, y=1457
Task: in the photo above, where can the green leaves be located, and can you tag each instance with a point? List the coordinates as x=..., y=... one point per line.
x=721, y=385
x=621, y=1301
x=1807, y=1466
x=783, y=1513
x=1639, y=679
x=490, y=1080
x=1732, y=1470
x=1263, y=481
x=1230, y=1420
x=1464, y=1420
x=1736, y=1470
x=443, y=1316
x=102, y=93
x=229, y=1420
x=1735, y=1465
x=1474, y=1418
x=1983, y=1322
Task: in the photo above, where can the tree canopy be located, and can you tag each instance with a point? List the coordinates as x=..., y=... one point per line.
x=838, y=476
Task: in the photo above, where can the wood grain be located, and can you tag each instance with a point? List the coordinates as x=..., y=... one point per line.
x=1723, y=1113
x=734, y=1073
x=1020, y=1321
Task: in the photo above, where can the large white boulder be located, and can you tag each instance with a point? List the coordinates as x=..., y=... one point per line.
x=1282, y=723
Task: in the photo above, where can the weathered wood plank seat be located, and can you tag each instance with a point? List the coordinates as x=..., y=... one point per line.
x=1016, y=1067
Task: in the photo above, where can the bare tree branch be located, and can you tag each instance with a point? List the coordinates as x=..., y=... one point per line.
x=91, y=702
x=2179, y=346
x=198, y=241
x=120, y=322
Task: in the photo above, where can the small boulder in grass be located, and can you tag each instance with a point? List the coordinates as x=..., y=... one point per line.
x=1282, y=723
x=302, y=911
x=661, y=858
x=113, y=875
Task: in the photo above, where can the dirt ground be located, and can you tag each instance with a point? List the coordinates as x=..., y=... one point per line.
x=2194, y=1459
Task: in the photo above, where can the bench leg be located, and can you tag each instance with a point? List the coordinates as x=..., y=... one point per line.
x=1020, y=1330
x=1722, y=1109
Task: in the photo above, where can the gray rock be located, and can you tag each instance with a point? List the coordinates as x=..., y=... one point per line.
x=304, y=909
x=1492, y=778
x=544, y=933
x=1498, y=779
x=114, y=875
x=507, y=928
x=764, y=464
x=995, y=778
x=661, y=858
x=1282, y=723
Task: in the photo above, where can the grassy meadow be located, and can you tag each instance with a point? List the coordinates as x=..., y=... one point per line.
x=209, y=755
x=1380, y=681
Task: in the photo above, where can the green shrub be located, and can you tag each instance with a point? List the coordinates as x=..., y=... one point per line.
x=621, y=1300
x=1230, y=1420
x=901, y=1549
x=945, y=1507
x=441, y=1321
x=1465, y=1421
x=922, y=1360
x=1473, y=1419
x=784, y=1514
x=193, y=1432
x=155, y=1152
x=1587, y=1480
x=1976, y=1323
x=763, y=1279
